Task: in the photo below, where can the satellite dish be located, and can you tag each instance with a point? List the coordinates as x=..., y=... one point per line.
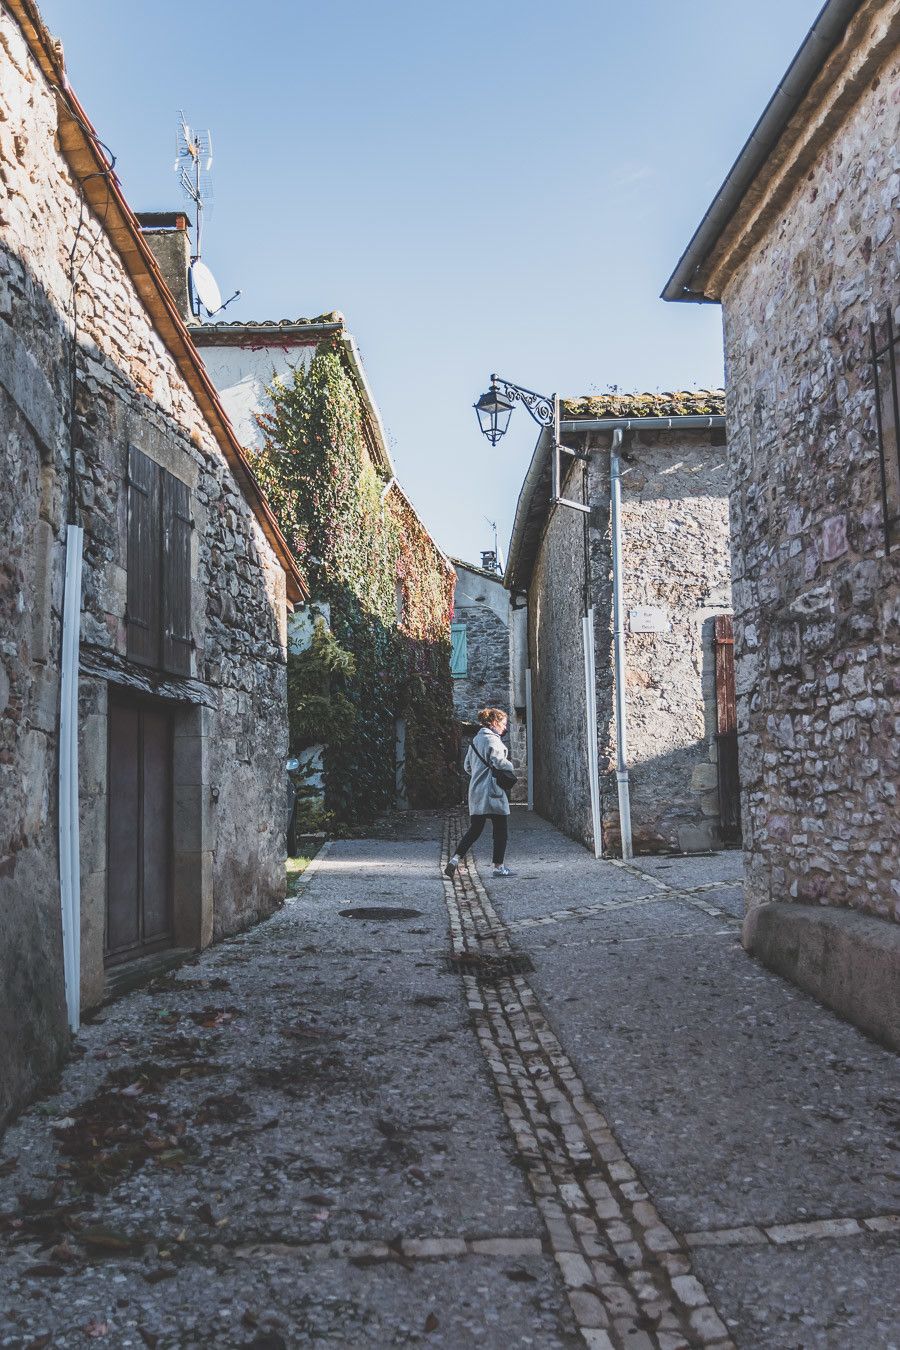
x=205, y=287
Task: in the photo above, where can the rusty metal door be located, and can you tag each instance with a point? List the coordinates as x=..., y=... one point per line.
x=726, y=730
x=140, y=825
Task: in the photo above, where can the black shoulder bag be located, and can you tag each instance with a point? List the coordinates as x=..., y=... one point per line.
x=504, y=777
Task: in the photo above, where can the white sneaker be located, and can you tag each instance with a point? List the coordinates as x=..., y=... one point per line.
x=502, y=871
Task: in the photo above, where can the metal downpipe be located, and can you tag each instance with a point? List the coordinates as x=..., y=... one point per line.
x=622, y=784
x=69, y=847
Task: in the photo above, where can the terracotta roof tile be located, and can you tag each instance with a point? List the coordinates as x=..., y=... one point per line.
x=678, y=403
x=334, y=317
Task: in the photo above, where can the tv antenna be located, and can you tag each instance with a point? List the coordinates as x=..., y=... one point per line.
x=493, y=560
x=193, y=163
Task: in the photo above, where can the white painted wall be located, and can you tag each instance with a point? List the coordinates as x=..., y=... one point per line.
x=518, y=653
x=243, y=374
x=474, y=588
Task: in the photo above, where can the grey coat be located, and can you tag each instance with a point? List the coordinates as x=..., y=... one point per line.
x=486, y=797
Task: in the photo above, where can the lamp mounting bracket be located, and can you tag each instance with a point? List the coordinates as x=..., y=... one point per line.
x=540, y=407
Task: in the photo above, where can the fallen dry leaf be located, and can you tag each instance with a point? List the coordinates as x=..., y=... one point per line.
x=108, y=1240
x=519, y=1275
x=171, y=1157
x=63, y=1252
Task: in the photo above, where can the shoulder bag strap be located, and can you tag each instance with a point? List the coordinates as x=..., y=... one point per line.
x=487, y=764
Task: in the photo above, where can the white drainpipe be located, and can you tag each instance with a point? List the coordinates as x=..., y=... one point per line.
x=69, y=839
x=615, y=492
x=590, y=692
x=529, y=738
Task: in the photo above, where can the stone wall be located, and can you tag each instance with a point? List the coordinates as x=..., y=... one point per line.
x=229, y=844
x=32, y=1011
x=482, y=604
x=675, y=562
x=816, y=600
x=556, y=654
x=676, y=568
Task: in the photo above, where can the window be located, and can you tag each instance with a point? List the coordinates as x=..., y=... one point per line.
x=459, y=654
x=158, y=613
x=887, y=412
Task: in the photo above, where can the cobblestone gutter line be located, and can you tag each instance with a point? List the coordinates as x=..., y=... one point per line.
x=428, y=1249
x=668, y=936
x=691, y=895
x=447, y=1248
x=628, y=1276
x=781, y=1235
x=451, y=1248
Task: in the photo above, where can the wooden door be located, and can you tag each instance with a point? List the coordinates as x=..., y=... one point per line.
x=726, y=730
x=139, y=830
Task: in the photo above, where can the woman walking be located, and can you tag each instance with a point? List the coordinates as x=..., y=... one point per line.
x=487, y=799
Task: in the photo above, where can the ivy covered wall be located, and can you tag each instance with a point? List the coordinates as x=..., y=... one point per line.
x=389, y=593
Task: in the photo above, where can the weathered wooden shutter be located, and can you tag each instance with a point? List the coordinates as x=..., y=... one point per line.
x=459, y=652
x=726, y=729
x=143, y=604
x=176, y=576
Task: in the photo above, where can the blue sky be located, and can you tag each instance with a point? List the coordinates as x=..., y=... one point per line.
x=489, y=185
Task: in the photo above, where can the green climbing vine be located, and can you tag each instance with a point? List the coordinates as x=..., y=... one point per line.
x=384, y=654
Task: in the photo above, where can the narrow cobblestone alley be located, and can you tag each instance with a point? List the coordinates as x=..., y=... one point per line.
x=587, y=1119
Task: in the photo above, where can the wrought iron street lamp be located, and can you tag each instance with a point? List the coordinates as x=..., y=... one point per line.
x=495, y=408
x=493, y=413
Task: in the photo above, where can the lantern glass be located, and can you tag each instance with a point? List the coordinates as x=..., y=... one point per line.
x=493, y=414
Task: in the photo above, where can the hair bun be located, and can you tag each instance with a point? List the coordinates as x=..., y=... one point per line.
x=488, y=715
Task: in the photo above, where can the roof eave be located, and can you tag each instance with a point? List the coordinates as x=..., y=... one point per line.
x=80, y=145
x=370, y=407
x=511, y=578
x=686, y=282
x=263, y=334
x=446, y=563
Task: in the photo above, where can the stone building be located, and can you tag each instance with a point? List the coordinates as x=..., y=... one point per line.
x=488, y=660
x=800, y=247
x=675, y=578
x=142, y=710
x=243, y=359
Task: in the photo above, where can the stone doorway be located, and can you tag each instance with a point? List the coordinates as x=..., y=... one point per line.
x=726, y=731
x=140, y=829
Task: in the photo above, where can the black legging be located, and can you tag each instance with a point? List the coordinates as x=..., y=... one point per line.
x=500, y=825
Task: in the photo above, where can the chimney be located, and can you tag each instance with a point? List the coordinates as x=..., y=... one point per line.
x=167, y=234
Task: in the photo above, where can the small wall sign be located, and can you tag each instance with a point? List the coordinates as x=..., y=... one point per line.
x=648, y=620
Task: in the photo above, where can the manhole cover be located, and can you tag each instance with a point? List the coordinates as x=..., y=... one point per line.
x=380, y=912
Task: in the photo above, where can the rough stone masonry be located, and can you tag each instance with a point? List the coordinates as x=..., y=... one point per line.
x=227, y=841
x=676, y=579
x=817, y=602
x=807, y=269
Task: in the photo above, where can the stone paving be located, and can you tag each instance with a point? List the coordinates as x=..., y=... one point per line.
x=587, y=1119
x=763, y=1127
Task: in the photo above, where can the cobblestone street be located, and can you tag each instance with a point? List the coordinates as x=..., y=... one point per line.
x=585, y=1118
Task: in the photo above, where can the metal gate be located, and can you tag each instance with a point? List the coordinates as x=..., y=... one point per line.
x=726, y=730
x=140, y=825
